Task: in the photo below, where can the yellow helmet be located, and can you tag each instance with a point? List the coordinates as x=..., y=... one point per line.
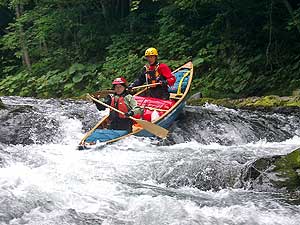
x=151, y=51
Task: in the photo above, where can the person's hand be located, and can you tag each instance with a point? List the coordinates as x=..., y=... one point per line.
x=96, y=96
x=129, y=88
x=93, y=95
x=162, y=82
x=129, y=113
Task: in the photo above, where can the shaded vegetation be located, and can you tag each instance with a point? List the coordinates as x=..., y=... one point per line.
x=63, y=48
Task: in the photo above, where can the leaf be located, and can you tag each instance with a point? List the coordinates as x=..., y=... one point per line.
x=247, y=75
x=72, y=70
x=296, y=65
x=198, y=61
x=76, y=67
x=77, y=78
x=52, y=72
x=86, y=74
x=68, y=86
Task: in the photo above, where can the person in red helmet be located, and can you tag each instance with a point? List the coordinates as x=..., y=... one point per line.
x=155, y=73
x=122, y=101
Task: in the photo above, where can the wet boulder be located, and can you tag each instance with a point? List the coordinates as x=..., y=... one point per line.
x=196, y=96
x=26, y=124
x=1, y=104
x=276, y=173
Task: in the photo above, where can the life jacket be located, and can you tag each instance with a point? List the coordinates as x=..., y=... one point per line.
x=151, y=75
x=119, y=104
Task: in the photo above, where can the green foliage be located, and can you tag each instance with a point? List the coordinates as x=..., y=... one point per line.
x=266, y=102
x=239, y=48
x=123, y=60
x=173, y=37
x=75, y=81
x=295, y=21
x=15, y=84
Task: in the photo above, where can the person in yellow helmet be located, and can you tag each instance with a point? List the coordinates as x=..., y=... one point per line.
x=153, y=73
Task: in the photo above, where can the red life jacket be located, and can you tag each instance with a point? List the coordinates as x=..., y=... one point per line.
x=119, y=104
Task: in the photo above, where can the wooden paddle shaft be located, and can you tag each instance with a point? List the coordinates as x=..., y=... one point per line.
x=104, y=93
x=146, y=85
x=106, y=105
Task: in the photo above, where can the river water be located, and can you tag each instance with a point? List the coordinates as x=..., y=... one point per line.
x=192, y=178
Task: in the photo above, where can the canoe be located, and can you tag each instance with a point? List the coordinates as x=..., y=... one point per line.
x=166, y=111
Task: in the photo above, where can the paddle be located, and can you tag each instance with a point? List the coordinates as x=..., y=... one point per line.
x=103, y=93
x=146, y=85
x=150, y=127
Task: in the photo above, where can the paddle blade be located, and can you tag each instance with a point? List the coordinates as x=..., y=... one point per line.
x=153, y=128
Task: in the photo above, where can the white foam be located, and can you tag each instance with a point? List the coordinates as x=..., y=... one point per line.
x=117, y=183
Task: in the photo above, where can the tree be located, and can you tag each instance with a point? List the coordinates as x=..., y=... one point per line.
x=289, y=8
x=115, y=9
x=70, y=47
x=19, y=8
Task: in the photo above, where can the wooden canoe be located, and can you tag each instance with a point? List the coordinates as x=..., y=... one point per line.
x=168, y=110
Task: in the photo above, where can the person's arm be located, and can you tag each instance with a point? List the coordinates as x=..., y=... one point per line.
x=132, y=105
x=106, y=100
x=166, y=72
x=140, y=80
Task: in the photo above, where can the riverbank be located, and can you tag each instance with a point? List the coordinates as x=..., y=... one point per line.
x=273, y=103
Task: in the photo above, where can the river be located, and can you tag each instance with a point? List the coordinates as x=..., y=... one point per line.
x=192, y=178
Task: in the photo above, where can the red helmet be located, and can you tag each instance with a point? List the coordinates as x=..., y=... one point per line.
x=120, y=80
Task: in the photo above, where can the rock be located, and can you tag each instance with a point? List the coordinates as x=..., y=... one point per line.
x=26, y=124
x=296, y=92
x=273, y=103
x=196, y=96
x=1, y=104
x=281, y=173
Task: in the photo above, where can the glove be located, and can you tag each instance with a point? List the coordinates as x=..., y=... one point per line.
x=163, y=82
x=129, y=113
x=129, y=88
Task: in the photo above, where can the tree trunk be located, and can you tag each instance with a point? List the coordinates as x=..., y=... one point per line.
x=25, y=54
x=106, y=8
x=291, y=12
x=123, y=8
x=115, y=9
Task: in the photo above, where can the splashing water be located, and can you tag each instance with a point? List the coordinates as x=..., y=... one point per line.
x=44, y=180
